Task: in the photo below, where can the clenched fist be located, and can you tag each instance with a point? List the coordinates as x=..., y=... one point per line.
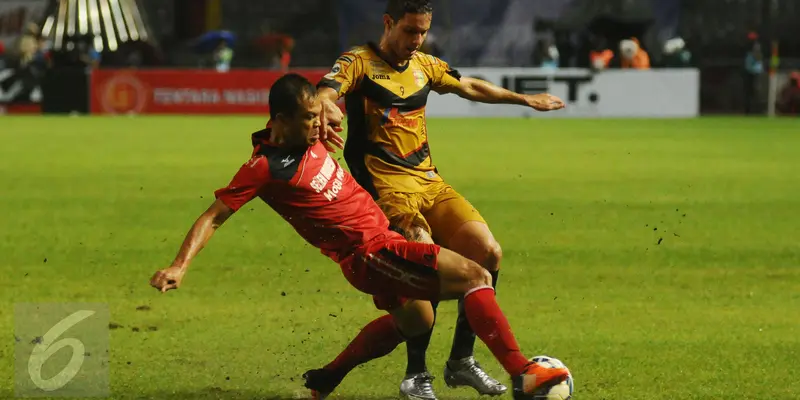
x=167, y=278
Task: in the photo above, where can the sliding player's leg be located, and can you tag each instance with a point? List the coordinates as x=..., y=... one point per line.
x=424, y=271
x=461, y=277
x=376, y=339
x=458, y=226
x=407, y=319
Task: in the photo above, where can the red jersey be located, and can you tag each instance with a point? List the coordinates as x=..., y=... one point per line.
x=312, y=192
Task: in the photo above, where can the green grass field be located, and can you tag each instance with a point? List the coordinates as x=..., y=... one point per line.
x=660, y=259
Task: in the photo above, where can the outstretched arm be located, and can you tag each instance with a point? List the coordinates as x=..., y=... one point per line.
x=485, y=92
x=244, y=186
x=201, y=232
x=196, y=239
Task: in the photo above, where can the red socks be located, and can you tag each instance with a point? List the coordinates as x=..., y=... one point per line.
x=381, y=336
x=375, y=340
x=489, y=323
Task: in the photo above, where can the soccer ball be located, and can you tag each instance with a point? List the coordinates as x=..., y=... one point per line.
x=562, y=391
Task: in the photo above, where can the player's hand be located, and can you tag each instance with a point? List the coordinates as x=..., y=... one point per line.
x=167, y=278
x=331, y=119
x=544, y=102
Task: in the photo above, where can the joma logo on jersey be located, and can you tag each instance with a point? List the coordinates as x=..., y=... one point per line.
x=380, y=76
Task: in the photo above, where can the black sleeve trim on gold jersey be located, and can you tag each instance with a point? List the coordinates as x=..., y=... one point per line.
x=411, y=161
x=330, y=83
x=455, y=74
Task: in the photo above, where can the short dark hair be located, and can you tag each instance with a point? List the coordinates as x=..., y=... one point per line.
x=397, y=9
x=287, y=93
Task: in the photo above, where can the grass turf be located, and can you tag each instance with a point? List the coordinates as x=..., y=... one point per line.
x=658, y=259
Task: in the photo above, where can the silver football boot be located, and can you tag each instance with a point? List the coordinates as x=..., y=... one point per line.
x=417, y=387
x=467, y=372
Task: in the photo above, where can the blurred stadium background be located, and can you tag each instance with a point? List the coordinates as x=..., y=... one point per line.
x=733, y=46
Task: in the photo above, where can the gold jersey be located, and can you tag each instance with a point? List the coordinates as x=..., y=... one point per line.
x=387, y=139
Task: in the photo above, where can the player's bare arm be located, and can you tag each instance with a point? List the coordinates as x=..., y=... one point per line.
x=485, y=92
x=330, y=119
x=198, y=236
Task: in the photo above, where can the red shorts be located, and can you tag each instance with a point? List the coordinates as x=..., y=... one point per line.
x=394, y=270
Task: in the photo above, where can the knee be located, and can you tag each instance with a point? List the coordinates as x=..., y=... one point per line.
x=478, y=245
x=416, y=325
x=493, y=254
x=477, y=276
x=414, y=318
x=488, y=254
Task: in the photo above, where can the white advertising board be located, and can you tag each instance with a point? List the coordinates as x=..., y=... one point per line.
x=611, y=93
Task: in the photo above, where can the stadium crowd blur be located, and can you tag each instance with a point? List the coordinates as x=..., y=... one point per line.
x=729, y=40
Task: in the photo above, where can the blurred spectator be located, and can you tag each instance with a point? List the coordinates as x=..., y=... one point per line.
x=676, y=55
x=83, y=53
x=223, y=56
x=87, y=55
x=285, y=54
x=77, y=52
x=28, y=44
x=42, y=56
x=600, y=57
x=546, y=54
x=632, y=55
x=788, y=101
x=753, y=69
x=278, y=50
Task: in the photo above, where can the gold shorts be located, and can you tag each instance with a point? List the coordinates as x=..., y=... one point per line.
x=440, y=210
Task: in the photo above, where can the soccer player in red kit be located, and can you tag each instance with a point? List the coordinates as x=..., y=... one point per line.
x=292, y=172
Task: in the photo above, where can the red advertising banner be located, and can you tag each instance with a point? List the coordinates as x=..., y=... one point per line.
x=162, y=91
